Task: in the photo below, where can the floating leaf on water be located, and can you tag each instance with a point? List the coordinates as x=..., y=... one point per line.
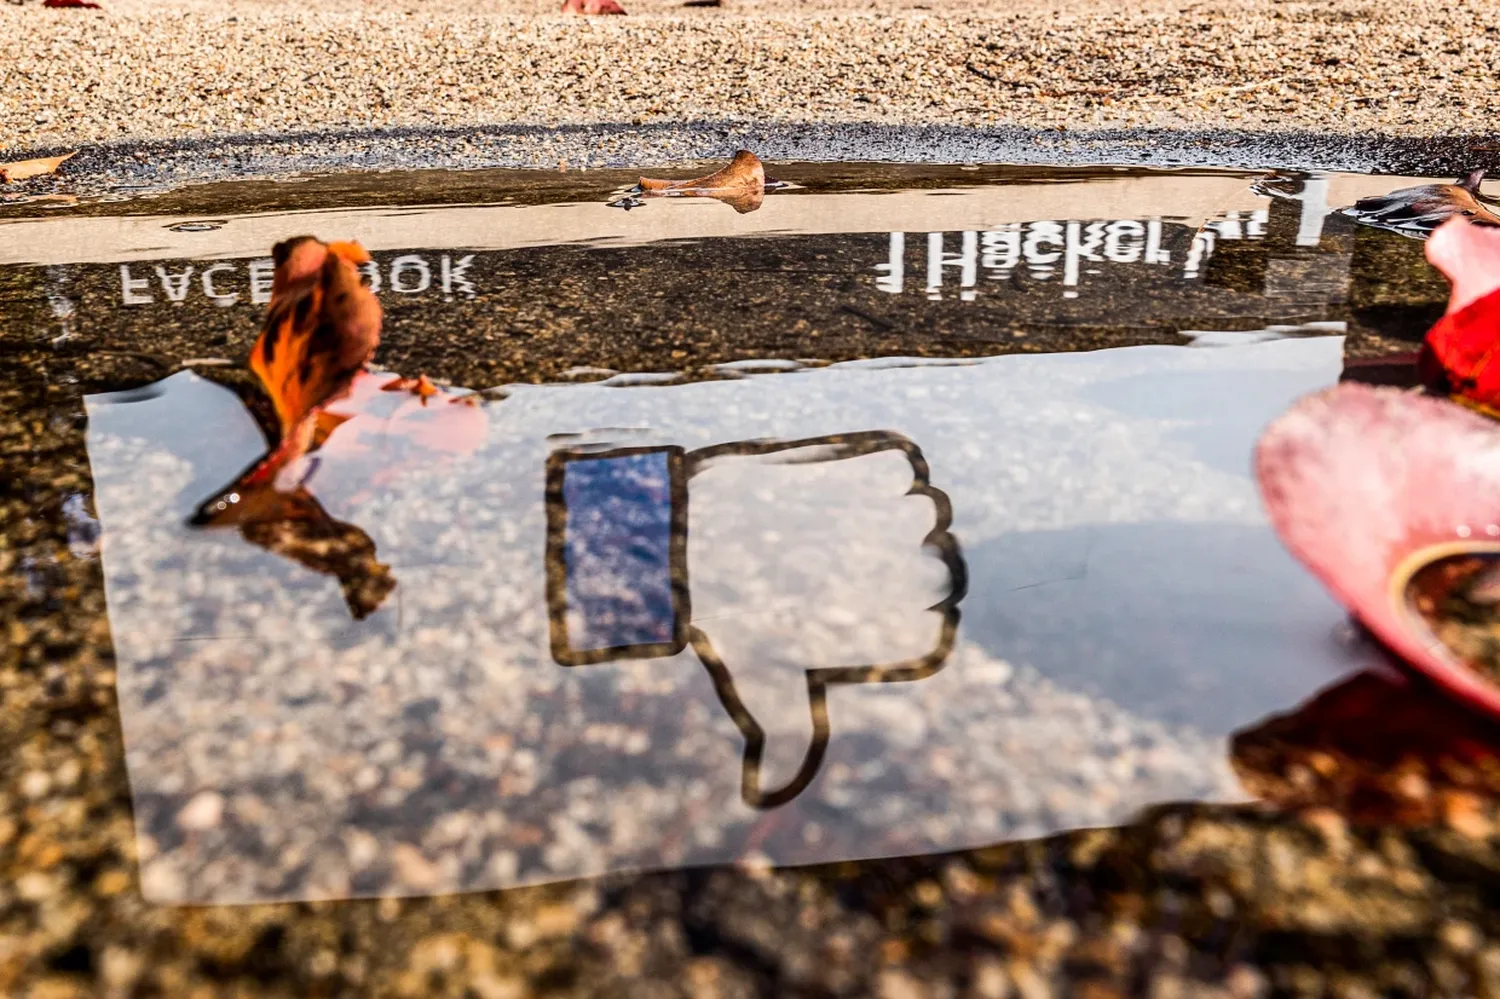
x=740, y=185
x=420, y=386
x=1370, y=487
x=25, y=169
x=1418, y=211
x=321, y=329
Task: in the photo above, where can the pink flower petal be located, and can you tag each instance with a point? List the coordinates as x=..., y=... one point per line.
x=1366, y=485
x=1470, y=257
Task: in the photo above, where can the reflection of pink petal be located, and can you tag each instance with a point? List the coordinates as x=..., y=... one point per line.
x=447, y=424
x=442, y=423
x=1365, y=485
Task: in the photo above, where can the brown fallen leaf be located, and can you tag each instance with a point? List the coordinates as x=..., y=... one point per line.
x=23, y=169
x=741, y=185
x=1418, y=211
x=71, y=3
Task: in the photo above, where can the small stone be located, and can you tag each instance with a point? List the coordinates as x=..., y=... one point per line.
x=520, y=933
x=202, y=813
x=990, y=981
x=34, y=887
x=362, y=849
x=1459, y=937
x=757, y=865
x=36, y=784
x=1464, y=814
x=556, y=921
x=67, y=775
x=413, y=869
x=1244, y=982
x=488, y=986
x=119, y=968
x=894, y=984
x=111, y=882
x=160, y=882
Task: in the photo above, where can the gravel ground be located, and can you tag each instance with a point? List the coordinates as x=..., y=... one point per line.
x=191, y=69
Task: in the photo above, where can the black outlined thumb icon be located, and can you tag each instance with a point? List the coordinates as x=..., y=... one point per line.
x=788, y=567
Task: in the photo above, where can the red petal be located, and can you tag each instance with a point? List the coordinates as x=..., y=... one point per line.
x=1458, y=350
x=1459, y=355
x=1365, y=485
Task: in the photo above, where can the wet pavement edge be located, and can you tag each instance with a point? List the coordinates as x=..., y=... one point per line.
x=619, y=145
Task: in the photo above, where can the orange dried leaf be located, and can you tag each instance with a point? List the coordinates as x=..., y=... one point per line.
x=24, y=169
x=741, y=184
x=420, y=386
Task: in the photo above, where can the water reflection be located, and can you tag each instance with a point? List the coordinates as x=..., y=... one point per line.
x=797, y=567
x=610, y=629
x=619, y=584
x=1380, y=747
x=811, y=274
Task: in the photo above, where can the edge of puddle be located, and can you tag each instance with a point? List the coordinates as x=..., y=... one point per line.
x=166, y=163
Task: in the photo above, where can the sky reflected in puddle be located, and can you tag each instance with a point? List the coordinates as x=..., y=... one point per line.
x=658, y=626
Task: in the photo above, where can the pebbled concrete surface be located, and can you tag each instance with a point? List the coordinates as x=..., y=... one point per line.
x=1349, y=85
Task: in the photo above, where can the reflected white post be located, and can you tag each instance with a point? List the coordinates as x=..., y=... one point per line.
x=1314, y=210
x=966, y=260
x=891, y=275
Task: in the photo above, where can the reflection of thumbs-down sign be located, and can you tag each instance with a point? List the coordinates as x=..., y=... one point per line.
x=797, y=566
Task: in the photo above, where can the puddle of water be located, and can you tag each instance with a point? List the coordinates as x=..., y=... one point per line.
x=617, y=649
x=724, y=600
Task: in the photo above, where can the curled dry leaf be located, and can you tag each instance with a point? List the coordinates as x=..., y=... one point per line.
x=25, y=169
x=1393, y=500
x=1417, y=211
x=322, y=328
x=741, y=184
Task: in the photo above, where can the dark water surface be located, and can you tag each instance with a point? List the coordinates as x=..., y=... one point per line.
x=863, y=594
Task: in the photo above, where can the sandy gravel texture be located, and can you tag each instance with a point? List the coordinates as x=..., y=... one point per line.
x=192, y=69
